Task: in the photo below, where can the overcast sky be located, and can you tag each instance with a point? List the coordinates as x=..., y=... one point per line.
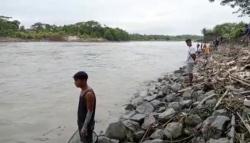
x=170, y=17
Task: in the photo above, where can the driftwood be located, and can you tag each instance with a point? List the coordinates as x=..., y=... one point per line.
x=219, y=101
x=244, y=123
x=146, y=133
x=240, y=81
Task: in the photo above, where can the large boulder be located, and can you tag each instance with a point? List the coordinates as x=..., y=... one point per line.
x=145, y=108
x=131, y=125
x=186, y=103
x=138, y=117
x=214, y=126
x=176, y=87
x=128, y=115
x=116, y=131
x=192, y=120
x=150, y=98
x=138, y=135
x=157, y=134
x=175, y=105
x=148, y=121
x=166, y=90
x=167, y=114
x=187, y=94
x=137, y=101
x=173, y=130
x=170, y=98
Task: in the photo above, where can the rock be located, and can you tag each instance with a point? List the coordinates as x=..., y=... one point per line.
x=221, y=140
x=116, y=131
x=173, y=130
x=131, y=125
x=167, y=114
x=158, y=134
x=160, y=94
x=220, y=112
x=176, y=87
x=143, y=93
x=137, y=101
x=212, y=101
x=130, y=107
x=139, y=135
x=214, y=126
x=145, y=108
x=187, y=94
x=188, y=131
x=138, y=117
x=219, y=122
x=175, y=105
x=170, y=98
x=186, y=103
x=154, y=141
x=156, y=103
x=148, y=121
x=103, y=139
x=150, y=98
x=161, y=109
x=192, y=120
x=166, y=90
x=128, y=115
x=198, y=140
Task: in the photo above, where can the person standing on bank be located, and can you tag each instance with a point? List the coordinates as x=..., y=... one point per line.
x=190, y=60
x=86, y=107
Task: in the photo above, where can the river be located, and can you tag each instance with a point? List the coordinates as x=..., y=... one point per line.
x=38, y=99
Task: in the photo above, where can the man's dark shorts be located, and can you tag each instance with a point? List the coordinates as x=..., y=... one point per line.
x=89, y=137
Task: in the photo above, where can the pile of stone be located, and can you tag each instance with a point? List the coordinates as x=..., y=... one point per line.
x=211, y=111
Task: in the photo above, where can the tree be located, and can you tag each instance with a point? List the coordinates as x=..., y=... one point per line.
x=242, y=5
x=108, y=35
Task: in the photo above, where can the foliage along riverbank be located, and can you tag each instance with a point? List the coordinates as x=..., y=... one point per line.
x=11, y=30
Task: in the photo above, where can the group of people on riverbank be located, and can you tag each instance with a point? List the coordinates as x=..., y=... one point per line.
x=87, y=98
x=202, y=49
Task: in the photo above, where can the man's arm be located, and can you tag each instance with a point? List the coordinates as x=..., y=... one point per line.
x=193, y=56
x=90, y=107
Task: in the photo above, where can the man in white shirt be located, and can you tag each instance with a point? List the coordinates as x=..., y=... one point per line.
x=190, y=60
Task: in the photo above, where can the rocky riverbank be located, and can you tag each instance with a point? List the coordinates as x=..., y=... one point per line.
x=213, y=110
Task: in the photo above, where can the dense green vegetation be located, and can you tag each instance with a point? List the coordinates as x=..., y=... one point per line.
x=139, y=37
x=40, y=31
x=82, y=30
x=242, y=5
x=228, y=31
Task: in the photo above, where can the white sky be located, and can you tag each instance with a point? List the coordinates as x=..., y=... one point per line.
x=169, y=17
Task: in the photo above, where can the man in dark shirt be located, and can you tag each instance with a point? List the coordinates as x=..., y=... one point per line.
x=86, y=107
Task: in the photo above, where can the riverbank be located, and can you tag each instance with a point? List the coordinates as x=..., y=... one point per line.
x=212, y=110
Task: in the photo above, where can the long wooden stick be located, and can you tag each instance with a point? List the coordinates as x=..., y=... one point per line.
x=145, y=134
x=219, y=101
x=240, y=81
x=245, y=124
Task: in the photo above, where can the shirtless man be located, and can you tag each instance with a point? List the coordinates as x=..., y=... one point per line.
x=86, y=107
